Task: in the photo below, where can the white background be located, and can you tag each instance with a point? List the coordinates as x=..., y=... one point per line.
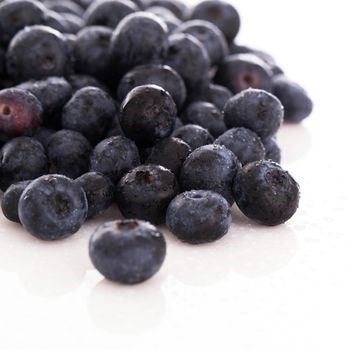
x=258, y=288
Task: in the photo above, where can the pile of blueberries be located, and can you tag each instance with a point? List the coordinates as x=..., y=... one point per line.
x=150, y=105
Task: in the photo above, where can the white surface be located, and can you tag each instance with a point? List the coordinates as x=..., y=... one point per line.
x=258, y=288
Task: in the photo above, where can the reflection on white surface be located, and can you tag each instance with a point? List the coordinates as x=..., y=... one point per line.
x=126, y=310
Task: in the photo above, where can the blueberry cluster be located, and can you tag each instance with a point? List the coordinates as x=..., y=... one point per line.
x=150, y=105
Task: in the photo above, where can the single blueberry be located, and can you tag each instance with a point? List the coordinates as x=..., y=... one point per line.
x=194, y=135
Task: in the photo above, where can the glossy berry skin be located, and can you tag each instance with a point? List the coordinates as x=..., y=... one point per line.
x=194, y=135
x=243, y=71
x=255, y=109
x=206, y=115
x=99, y=191
x=90, y=111
x=53, y=93
x=37, y=52
x=148, y=114
x=56, y=21
x=114, y=157
x=273, y=151
x=209, y=35
x=127, y=251
x=178, y=8
x=10, y=199
x=220, y=13
x=297, y=104
x=69, y=153
x=108, y=13
x=266, y=193
x=211, y=167
x=91, y=50
x=53, y=207
x=244, y=143
x=146, y=191
x=163, y=76
x=169, y=153
x=20, y=113
x=216, y=94
x=197, y=217
x=15, y=15
x=184, y=49
x=22, y=158
x=128, y=48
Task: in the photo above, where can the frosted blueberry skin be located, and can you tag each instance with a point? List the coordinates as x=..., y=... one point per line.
x=220, y=13
x=169, y=153
x=148, y=114
x=211, y=167
x=266, y=193
x=127, y=251
x=207, y=116
x=194, y=135
x=53, y=207
x=38, y=52
x=90, y=111
x=256, y=110
x=69, y=153
x=163, y=76
x=199, y=216
x=22, y=158
x=244, y=71
x=273, y=151
x=244, y=143
x=20, y=113
x=99, y=190
x=114, y=157
x=297, y=104
x=145, y=193
x=10, y=199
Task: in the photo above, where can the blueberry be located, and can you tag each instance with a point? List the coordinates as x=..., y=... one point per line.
x=216, y=94
x=163, y=76
x=220, y=13
x=266, y=193
x=53, y=207
x=184, y=50
x=145, y=192
x=206, y=115
x=177, y=7
x=17, y=14
x=169, y=153
x=73, y=22
x=297, y=104
x=161, y=12
x=211, y=167
x=194, y=135
x=139, y=38
x=148, y=114
x=209, y=35
x=255, y=109
x=56, y=21
x=22, y=158
x=114, y=157
x=99, y=191
x=53, y=93
x=273, y=151
x=240, y=72
x=91, y=51
x=80, y=81
x=108, y=13
x=199, y=216
x=127, y=251
x=69, y=153
x=172, y=23
x=65, y=6
x=43, y=135
x=37, y=52
x=20, y=113
x=2, y=62
x=115, y=129
x=90, y=111
x=10, y=199
x=244, y=143
x=178, y=123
